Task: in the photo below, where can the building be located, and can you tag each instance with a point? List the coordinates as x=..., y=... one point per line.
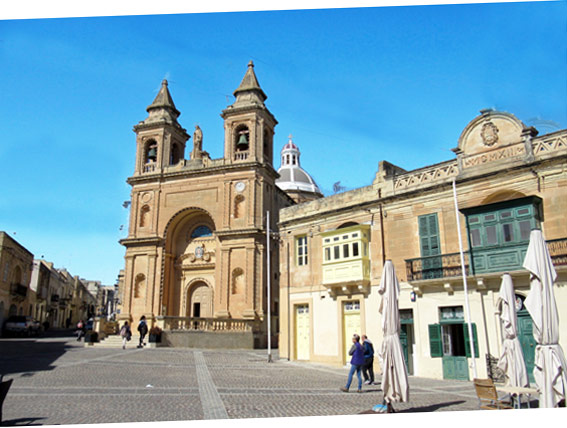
x=196, y=244
x=293, y=179
x=508, y=180
x=16, y=264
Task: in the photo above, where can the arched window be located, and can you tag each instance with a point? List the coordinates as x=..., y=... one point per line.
x=267, y=144
x=201, y=231
x=175, y=154
x=17, y=276
x=238, y=285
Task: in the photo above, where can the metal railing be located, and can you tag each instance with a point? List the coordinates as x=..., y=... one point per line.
x=558, y=251
x=440, y=266
x=210, y=324
x=449, y=265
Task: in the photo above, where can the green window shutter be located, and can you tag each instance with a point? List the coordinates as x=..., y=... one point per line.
x=435, y=340
x=429, y=235
x=467, y=341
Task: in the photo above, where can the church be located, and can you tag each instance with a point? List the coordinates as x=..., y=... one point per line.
x=196, y=250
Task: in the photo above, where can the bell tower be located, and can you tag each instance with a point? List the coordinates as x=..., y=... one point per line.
x=160, y=138
x=248, y=124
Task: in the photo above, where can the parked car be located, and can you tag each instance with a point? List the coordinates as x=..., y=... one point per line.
x=23, y=325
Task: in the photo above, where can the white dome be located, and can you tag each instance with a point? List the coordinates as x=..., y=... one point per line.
x=292, y=176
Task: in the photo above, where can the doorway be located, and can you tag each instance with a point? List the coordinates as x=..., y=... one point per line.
x=351, y=325
x=302, y=332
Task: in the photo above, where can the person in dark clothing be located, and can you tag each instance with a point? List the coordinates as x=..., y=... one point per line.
x=356, y=362
x=368, y=367
x=143, y=329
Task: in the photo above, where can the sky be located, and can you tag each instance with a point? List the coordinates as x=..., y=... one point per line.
x=353, y=86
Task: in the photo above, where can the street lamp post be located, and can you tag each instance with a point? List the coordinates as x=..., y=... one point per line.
x=269, y=287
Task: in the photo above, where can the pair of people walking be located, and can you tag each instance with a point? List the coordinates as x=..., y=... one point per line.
x=362, y=361
x=126, y=332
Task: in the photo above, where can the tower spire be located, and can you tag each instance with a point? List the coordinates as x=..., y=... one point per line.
x=163, y=103
x=249, y=89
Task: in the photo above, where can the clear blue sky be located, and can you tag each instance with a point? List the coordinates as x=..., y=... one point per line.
x=354, y=86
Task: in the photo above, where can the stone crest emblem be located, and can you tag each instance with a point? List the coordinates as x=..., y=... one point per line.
x=489, y=134
x=199, y=252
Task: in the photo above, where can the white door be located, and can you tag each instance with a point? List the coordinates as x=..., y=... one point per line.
x=351, y=325
x=302, y=332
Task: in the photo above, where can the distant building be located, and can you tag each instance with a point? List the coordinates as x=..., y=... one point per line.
x=15, y=273
x=508, y=180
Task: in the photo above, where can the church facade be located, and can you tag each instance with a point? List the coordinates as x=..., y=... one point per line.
x=196, y=245
x=508, y=180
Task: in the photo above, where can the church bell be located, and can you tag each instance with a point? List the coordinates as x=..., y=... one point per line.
x=242, y=143
x=152, y=154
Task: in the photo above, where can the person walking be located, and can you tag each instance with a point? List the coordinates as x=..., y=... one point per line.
x=368, y=367
x=80, y=330
x=125, y=333
x=356, y=363
x=143, y=329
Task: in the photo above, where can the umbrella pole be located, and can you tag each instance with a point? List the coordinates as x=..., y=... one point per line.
x=467, y=307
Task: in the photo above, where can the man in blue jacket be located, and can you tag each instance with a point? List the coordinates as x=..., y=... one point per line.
x=368, y=367
x=356, y=362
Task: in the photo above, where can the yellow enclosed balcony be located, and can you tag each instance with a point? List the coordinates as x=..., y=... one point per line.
x=346, y=262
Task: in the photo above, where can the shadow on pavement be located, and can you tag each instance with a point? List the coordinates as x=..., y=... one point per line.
x=21, y=422
x=422, y=409
x=31, y=355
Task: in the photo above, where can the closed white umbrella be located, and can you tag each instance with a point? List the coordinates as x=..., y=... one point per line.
x=550, y=371
x=511, y=361
x=394, y=372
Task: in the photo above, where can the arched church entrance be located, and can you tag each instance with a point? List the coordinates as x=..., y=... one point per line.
x=199, y=301
x=190, y=271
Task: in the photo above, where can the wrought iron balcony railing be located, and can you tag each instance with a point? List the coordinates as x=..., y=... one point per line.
x=449, y=265
x=441, y=266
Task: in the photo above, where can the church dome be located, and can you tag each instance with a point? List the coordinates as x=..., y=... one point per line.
x=293, y=178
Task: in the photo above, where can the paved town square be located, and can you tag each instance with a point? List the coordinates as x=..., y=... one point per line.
x=59, y=381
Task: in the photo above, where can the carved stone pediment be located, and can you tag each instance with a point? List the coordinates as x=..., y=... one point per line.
x=490, y=138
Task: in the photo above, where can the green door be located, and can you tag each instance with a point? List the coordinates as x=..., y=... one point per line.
x=429, y=243
x=455, y=368
x=404, y=341
x=526, y=337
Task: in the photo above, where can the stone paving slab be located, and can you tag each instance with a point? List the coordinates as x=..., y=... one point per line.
x=58, y=381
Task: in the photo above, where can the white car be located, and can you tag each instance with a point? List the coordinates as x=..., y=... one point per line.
x=21, y=324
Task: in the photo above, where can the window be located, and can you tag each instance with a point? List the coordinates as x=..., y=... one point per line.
x=301, y=245
x=201, y=231
x=499, y=233
x=348, y=244
x=355, y=249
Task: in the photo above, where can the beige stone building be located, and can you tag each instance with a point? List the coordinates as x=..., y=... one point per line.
x=508, y=180
x=196, y=245
x=16, y=264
